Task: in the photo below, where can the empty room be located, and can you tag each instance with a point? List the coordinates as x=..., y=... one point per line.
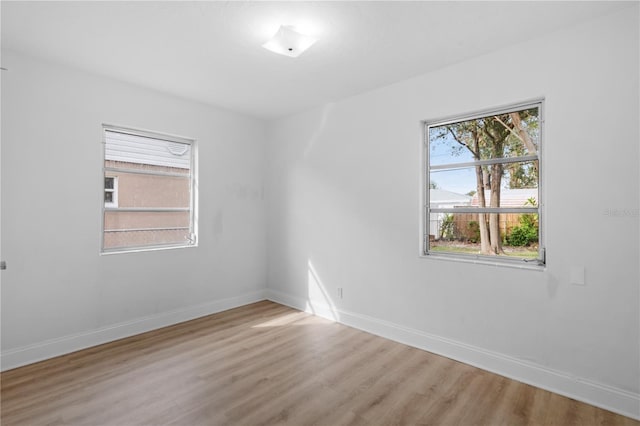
x=327, y=213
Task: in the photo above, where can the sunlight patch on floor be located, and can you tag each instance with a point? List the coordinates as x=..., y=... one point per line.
x=282, y=320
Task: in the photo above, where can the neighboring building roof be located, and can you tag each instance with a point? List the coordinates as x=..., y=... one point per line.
x=441, y=196
x=510, y=197
x=144, y=150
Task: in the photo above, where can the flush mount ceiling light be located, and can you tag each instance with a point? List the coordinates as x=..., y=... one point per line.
x=289, y=42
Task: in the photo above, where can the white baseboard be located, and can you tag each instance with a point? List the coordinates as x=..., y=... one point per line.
x=599, y=395
x=17, y=357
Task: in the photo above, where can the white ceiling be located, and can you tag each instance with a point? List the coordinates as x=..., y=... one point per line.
x=210, y=51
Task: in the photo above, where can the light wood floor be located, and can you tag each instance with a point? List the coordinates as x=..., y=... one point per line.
x=269, y=364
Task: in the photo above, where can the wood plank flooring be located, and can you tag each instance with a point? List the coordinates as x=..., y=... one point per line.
x=267, y=364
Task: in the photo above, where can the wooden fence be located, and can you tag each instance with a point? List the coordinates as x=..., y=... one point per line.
x=464, y=229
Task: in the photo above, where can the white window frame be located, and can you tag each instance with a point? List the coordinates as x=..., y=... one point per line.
x=425, y=181
x=192, y=241
x=114, y=191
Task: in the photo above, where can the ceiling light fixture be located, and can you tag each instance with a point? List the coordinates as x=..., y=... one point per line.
x=289, y=42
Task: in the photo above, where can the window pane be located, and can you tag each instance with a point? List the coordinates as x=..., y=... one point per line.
x=135, y=229
x=520, y=175
x=131, y=150
x=460, y=233
x=514, y=134
x=108, y=183
x=460, y=181
x=145, y=238
x=108, y=197
x=517, y=187
x=114, y=219
x=143, y=190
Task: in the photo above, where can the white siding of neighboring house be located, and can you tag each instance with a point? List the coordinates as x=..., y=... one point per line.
x=440, y=198
x=143, y=150
x=510, y=197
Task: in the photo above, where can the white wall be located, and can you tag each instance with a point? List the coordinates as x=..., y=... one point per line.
x=343, y=191
x=59, y=293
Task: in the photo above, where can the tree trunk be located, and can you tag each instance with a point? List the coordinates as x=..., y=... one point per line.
x=494, y=218
x=486, y=178
x=524, y=136
x=485, y=246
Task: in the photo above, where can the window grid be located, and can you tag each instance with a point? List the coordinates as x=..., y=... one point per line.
x=110, y=191
x=427, y=209
x=156, y=176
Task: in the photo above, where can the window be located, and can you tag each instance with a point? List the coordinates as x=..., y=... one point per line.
x=148, y=191
x=111, y=191
x=482, y=187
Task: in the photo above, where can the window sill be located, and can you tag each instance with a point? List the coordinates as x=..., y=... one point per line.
x=144, y=249
x=487, y=261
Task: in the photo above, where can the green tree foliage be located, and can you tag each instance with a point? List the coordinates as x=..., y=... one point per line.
x=447, y=227
x=474, y=231
x=527, y=232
